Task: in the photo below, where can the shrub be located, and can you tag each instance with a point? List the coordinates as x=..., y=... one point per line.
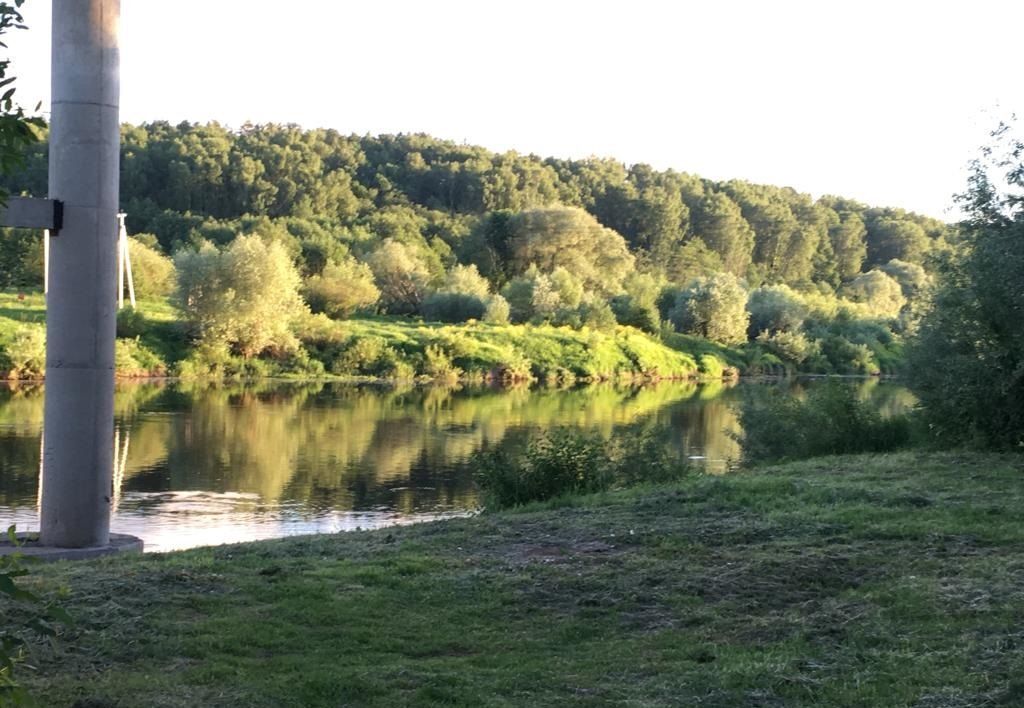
x=881, y=294
x=131, y=323
x=300, y=364
x=845, y=357
x=341, y=289
x=152, y=272
x=518, y=293
x=516, y=368
x=638, y=306
x=211, y=360
x=497, y=311
x=794, y=348
x=361, y=356
x=543, y=297
x=561, y=463
x=593, y=313
x=133, y=360
x=25, y=354
x=831, y=421
x=711, y=367
x=402, y=276
x=553, y=465
x=245, y=297
x=775, y=308
x=437, y=364
x=453, y=307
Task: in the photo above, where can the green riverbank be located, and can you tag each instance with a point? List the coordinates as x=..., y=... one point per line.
x=891, y=580
x=153, y=342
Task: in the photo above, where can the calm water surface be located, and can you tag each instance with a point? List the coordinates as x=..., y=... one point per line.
x=204, y=465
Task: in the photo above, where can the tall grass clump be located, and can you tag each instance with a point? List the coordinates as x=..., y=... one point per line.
x=829, y=421
x=566, y=463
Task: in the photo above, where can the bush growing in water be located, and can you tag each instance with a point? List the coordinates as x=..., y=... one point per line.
x=562, y=463
x=831, y=421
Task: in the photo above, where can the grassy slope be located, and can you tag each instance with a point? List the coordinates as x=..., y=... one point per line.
x=480, y=347
x=476, y=348
x=863, y=581
x=18, y=309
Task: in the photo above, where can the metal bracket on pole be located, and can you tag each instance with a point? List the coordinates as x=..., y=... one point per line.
x=33, y=213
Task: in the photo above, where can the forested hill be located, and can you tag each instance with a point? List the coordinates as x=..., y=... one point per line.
x=185, y=181
x=415, y=226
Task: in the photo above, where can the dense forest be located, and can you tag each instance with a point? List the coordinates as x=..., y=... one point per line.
x=414, y=225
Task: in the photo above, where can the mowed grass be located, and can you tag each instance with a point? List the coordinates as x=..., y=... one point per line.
x=858, y=581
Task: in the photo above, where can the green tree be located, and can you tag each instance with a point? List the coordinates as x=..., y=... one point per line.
x=245, y=296
x=966, y=363
x=714, y=308
x=881, y=295
x=913, y=278
x=804, y=244
x=775, y=308
x=464, y=295
x=767, y=211
x=720, y=226
x=890, y=237
x=692, y=260
x=402, y=276
x=847, y=234
x=542, y=297
x=518, y=293
x=18, y=129
x=573, y=239
x=638, y=306
x=498, y=310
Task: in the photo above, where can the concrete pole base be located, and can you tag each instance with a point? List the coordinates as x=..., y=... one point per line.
x=30, y=548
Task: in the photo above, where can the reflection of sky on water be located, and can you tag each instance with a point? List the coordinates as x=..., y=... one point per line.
x=219, y=465
x=170, y=521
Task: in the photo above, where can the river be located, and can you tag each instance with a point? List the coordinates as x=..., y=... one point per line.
x=199, y=465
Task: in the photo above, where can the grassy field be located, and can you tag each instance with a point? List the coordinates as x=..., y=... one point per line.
x=859, y=581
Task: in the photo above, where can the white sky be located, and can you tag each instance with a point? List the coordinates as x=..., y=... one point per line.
x=880, y=101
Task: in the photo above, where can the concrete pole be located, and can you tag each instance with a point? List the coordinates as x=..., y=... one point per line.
x=80, y=319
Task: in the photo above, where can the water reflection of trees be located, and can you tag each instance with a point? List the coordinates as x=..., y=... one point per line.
x=21, y=420
x=347, y=446
x=342, y=446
